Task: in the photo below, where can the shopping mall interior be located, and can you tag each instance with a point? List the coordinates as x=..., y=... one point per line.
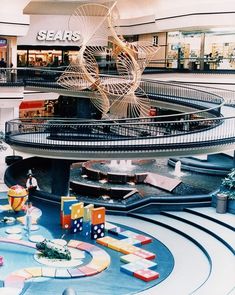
x=117, y=141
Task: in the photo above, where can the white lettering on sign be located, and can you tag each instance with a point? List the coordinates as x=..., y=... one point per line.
x=50, y=35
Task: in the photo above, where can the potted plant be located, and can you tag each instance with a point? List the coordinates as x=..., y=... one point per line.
x=228, y=188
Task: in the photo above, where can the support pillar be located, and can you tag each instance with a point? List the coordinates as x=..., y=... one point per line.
x=60, y=173
x=202, y=51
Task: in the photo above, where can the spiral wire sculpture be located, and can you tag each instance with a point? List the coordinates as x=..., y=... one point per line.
x=120, y=95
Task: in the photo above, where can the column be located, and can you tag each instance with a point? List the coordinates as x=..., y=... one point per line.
x=60, y=175
x=202, y=51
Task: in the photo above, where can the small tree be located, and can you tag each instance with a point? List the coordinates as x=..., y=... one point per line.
x=228, y=185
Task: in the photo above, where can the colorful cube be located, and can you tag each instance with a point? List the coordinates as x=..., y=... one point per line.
x=105, y=240
x=87, y=212
x=129, y=258
x=67, y=207
x=146, y=275
x=116, y=231
x=145, y=254
x=66, y=221
x=77, y=210
x=62, y=199
x=132, y=241
x=98, y=215
x=143, y=239
x=97, y=231
x=86, y=232
x=76, y=225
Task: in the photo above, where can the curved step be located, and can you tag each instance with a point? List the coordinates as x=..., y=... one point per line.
x=221, y=279
x=227, y=220
x=181, y=279
x=220, y=232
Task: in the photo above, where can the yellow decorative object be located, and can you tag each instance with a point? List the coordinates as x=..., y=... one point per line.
x=17, y=196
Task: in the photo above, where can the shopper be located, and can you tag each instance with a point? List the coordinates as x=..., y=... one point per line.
x=31, y=184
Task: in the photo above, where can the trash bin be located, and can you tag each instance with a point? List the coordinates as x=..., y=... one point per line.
x=221, y=206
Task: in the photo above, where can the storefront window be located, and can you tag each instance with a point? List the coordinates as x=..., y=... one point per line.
x=220, y=51
x=183, y=50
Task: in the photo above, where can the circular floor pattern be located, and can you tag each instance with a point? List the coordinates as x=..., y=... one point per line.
x=13, y=230
x=36, y=238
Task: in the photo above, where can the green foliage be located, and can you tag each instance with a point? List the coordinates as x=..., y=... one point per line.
x=228, y=185
x=53, y=251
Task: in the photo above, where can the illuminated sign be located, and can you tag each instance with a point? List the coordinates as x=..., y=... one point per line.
x=50, y=35
x=3, y=42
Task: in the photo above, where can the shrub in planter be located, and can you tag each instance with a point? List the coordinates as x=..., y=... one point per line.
x=228, y=185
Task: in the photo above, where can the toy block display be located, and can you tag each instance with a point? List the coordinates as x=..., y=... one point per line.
x=74, y=243
x=34, y=271
x=145, y=254
x=62, y=273
x=76, y=225
x=76, y=273
x=98, y=215
x=130, y=258
x=132, y=241
x=48, y=271
x=22, y=273
x=128, y=249
x=129, y=234
x=146, y=275
x=66, y=221
x=77, y=210
x=143, y=239
x=87, y=212
x=67, y=206
x=109, y=226
x=130, y=268
x=117, y=245
x=88, y=271
x=86, y=232
x=116, y=231
x=62, y=199
x=105, y=240
x=85, y=246
x=97, y=231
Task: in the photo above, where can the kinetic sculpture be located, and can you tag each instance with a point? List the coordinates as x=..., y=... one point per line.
x=120, y=95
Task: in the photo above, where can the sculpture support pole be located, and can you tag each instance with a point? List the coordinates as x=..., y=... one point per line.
x=60, y=173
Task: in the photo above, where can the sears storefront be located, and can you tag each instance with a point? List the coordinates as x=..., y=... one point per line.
x=49, y=42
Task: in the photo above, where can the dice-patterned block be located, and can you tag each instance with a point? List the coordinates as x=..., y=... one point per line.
x=76, y=225
x=87, y=212
x=145, y=254
x=117, y=231
x=86, y=232
x=66, y=221
x=146, y=275
x=97, y=231
x=98, y=215
x=77, y=210
x=129, y=258
x=67, y=207
x=63, y=199
x=105, y=240
x=143, y=239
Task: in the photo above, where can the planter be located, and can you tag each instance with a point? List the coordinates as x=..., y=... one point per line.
x=221, y=204
x=231, y=206
x=12, y=159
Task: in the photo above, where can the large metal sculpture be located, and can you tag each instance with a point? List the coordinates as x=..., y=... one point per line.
x=120, y=95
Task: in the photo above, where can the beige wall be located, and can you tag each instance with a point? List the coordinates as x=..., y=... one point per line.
x=161, y=54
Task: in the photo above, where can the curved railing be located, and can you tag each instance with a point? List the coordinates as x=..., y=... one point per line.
x=152, y=136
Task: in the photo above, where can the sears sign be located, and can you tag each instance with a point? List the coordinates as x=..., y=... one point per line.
x=51, y=35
